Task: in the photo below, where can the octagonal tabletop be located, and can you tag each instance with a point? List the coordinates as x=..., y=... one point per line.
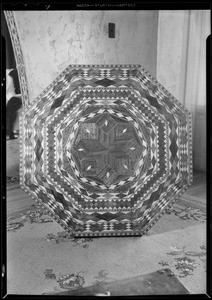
x=105, y=149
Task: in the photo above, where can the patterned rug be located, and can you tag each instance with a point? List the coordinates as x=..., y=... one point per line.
x=162, y=282
x=43, y=259
x=105, y=149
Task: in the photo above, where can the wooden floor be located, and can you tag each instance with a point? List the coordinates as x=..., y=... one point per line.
x=18, y=200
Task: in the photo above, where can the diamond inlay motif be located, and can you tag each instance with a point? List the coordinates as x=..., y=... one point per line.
x=105, y=149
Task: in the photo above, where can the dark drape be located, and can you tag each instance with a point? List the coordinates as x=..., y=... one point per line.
x=9, y=54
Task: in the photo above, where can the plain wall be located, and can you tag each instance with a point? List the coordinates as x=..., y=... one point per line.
x=171, y=50
x=181, y=68
x=51, y=40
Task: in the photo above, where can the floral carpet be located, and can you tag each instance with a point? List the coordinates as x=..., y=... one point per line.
x=42, y=258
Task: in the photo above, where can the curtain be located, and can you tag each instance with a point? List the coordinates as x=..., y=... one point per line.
x=195, y=82
x=181, y=67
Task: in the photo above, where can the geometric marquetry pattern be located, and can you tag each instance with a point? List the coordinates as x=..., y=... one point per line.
x=105, y=148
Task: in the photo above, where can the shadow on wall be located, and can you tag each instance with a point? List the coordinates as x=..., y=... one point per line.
x=199, y=140
x=14, y=105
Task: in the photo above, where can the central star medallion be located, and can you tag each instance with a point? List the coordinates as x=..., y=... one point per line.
x=106, y=149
